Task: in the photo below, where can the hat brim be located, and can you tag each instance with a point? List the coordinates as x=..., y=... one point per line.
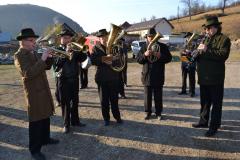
x=101, y=34
x=211, y=24
x=65, y=34
x=19, y=38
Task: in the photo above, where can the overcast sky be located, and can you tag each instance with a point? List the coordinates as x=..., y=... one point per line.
x=93, y=15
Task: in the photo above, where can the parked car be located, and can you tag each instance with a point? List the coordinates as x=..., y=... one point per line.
x=136, y=47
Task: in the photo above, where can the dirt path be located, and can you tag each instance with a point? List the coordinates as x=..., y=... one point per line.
x=137, y=139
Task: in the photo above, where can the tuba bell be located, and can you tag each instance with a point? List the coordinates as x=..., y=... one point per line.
x=153, y=58
x=114, y=48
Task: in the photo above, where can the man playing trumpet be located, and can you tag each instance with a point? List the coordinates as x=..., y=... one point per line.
x=38, y=95
x=67, y=71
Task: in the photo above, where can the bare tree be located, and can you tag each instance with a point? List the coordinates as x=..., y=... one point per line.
x=189, y=7
x=223, y=5
x=144, y=19
x=153, y=17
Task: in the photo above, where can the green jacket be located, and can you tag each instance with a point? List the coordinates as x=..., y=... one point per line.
x=211, y=64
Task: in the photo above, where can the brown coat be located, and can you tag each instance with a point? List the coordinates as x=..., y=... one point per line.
x=35, y=83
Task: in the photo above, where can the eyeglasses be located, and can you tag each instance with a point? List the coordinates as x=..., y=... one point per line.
x=30, y=40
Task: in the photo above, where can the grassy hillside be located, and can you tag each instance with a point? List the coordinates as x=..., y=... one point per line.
x=230, y=22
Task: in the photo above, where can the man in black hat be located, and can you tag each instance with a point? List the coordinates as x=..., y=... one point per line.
x=188, y=69
x=67, y=71
x=153, y=73
x=36, y=88
x=106, y=78
x=211, y=74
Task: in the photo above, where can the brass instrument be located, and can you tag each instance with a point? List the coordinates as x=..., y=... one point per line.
x=194, y=52
x=113, y=48
x=153, y=58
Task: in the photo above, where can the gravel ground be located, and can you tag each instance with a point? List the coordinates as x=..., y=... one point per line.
x=172, y=138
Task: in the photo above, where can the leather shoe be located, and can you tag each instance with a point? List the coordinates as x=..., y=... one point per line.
x=106, y=123
x=119, y=121
x=66, y=130
x=79, y=124
x=210, y=133
x=51, y=141
x=192, y=95
x=38, y=156
x=148, y=116
x=182, y=93
x=198, y=125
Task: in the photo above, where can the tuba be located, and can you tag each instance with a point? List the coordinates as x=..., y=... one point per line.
x=153, y=58
x=114, y=48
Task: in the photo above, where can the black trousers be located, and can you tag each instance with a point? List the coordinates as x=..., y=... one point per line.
x=57, y=90
x=125, y=74
x=191, y=75
x=39, y=133
x=211, y=95
x=69, y=101
x=108, y=93
x=83, y=77
x=121, y=84
x=157, y=92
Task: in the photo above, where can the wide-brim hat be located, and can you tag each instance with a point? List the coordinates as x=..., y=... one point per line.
x=101, y=33
x=211, y=21
x=26, y=33
x=66, y=32
x=151, y=32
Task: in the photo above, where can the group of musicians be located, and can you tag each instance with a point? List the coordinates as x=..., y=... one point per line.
x=213, y=52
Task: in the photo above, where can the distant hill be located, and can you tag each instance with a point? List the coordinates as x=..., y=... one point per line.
x=14, y=17
x=230, y=22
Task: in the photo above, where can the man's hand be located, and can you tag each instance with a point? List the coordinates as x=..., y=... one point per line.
x=158, y=54
x=46, y=54
x=148, y=53
x=202, y=47
x=107, y=59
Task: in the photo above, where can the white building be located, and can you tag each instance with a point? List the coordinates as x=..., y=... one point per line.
x=161, y=25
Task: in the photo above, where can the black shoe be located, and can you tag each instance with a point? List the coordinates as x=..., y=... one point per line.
x=192, y=95
x=51, y=141
x=79, y=124
x=66, y=130
x=38, y=156
x=182, y=93
x=123, y=97
x=148, y=116
x=119, y=121
x=210, y=132
x=198, y=125
x=106, y=123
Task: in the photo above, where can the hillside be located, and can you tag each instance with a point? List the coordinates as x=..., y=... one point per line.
x=230, y=22
x=17, y=16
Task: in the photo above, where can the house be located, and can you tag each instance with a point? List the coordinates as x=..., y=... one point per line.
x=161, y=25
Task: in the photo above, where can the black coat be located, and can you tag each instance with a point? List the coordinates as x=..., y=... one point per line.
x=153, y=73
x=104, y=72
x=66, y=68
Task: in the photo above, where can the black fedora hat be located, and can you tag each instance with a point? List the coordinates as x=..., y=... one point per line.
x=26, y=33
x=211, y=21
x=66, y=32
x=151, y=32
x=101, y=33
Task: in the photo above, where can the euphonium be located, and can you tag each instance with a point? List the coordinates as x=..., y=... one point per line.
x=153, y=58
x=114, y=49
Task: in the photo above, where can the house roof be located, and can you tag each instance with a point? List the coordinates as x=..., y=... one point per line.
x=125, y=25
x=147, y=24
